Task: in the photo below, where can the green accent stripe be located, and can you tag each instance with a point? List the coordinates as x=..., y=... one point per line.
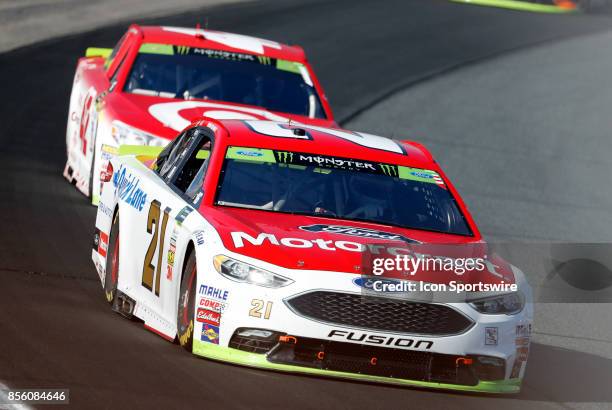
x=154, y=48
x=203, y=154
x=98, y=52
x=226, y=354
x=250, y=154
x=519, y=5
x=140, y=150
x=290, y=66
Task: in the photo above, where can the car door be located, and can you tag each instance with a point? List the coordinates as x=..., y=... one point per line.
x=173, y=191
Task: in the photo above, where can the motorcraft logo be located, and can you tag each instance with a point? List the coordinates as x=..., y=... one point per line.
x=128, y=190
x=359, y=232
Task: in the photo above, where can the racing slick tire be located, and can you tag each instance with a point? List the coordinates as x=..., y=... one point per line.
x=112, y=263
x=186, y=303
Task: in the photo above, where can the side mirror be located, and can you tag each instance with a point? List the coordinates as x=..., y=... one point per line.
x=98, y=52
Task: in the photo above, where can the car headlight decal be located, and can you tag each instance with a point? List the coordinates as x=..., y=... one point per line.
x=245, y=273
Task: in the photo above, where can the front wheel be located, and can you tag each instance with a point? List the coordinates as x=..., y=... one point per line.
x=186, y=303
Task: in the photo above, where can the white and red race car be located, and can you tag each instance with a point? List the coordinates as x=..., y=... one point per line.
x=248, y=241
x=158, y=79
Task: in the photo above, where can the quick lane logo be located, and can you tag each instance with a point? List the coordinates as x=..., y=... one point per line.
x=182, y=49
x=284, y=156
x=359, y=232
x=399, y=342
x=389, y=170
x=264, y=60
x=126, y=187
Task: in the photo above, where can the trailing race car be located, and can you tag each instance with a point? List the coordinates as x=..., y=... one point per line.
x=158, y=79
x=249, y=241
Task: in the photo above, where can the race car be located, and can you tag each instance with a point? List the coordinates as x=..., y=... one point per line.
x=158, y=79
x=255, y=242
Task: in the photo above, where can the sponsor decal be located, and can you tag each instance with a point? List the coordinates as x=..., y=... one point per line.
x=183, y=214
x=523, y=330
x=491, y=336
x=389, y=170
x=210, y=333
x=249, y=153
x=171, y=254
x=214, y=293
x=333, y=162
x=109, y=152
x=239, y=239
x=358, y=232
x=373, y=339
x=128, y=190
x=208, y=316
x=100, y=244
x=211, y=304
x=199, y=237
x=105, y=209
x=522, y=353
x=374, y=284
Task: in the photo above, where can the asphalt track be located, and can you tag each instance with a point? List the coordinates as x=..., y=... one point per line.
x=55, y=328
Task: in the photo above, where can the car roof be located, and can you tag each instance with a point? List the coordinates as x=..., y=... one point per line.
x=322, y=141
x=220, y=40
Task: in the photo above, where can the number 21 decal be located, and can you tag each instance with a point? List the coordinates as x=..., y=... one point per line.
x=257, y=305
x=150, y=271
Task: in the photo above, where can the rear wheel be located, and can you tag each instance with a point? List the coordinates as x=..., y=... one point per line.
x=186, y=303
x=112, y=262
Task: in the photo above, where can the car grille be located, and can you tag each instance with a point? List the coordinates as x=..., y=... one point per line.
x=379, y=313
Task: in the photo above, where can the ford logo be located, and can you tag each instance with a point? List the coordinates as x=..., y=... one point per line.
x=250, y=153
x=422, y=175
x=368, y=282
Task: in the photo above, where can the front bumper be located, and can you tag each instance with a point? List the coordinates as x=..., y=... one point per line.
x=227, y=354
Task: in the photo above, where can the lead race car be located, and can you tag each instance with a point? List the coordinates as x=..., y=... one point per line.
x=158, y=79
x=245, y=240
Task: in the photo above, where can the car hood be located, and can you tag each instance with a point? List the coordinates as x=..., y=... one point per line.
x=166, y=117
x=315, y=243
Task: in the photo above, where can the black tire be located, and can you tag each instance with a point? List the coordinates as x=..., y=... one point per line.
x=112, y=262
x=186, y=303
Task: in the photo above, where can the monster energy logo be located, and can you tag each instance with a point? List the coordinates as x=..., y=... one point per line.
x=264, y=60
x=182, y=49
x=390, y=170
x=284, y=156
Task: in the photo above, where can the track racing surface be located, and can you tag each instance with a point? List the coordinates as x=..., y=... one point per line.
x=428, y=70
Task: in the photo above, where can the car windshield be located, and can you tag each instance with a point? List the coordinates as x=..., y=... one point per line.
x=195, y=73
x=318, y=185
